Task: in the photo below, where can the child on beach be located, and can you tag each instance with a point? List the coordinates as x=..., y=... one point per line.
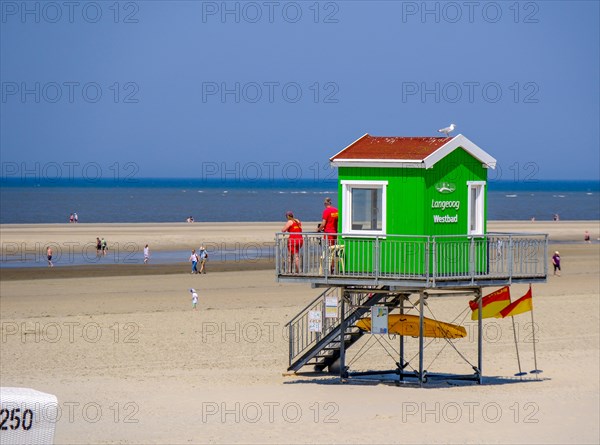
x=556, y=263
x=194, y=299
x=146, y=254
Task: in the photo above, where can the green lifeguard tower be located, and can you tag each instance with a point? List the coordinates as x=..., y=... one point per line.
x=412, y=221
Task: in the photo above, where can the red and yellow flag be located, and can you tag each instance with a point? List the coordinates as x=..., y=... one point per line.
x=491, y=304
x=523, y=304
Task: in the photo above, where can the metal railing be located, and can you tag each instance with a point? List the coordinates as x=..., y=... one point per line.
x=500, y=256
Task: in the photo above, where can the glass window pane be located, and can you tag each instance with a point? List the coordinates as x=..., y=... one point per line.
x=476, y=205
x=367, y=209
x=473, y=216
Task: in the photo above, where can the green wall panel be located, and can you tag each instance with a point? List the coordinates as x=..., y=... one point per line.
x=411, y=194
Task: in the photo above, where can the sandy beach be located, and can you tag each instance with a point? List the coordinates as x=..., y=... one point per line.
x=131, y=362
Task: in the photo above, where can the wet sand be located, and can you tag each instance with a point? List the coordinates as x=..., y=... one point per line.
x=121, y=270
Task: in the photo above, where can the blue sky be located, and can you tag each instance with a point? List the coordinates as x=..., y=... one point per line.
x=262, y=89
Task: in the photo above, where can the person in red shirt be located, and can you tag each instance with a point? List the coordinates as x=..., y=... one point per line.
x=330, y=222
x=329, y=226
x=295, y=241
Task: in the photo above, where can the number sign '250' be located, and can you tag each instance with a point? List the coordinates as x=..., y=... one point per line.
x=12, y=418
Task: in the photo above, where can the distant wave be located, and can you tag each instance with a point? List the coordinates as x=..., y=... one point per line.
x=511, y=196
x=305, y=192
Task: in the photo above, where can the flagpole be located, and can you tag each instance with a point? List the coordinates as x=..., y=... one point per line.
x=521, y=373
x=536, y=370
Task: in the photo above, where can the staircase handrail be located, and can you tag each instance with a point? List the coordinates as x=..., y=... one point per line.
x=299, y=314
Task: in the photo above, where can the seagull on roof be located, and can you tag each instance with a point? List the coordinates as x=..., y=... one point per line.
x=447, y=130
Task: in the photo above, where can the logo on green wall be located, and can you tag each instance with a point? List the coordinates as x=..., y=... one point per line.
x=445, y=187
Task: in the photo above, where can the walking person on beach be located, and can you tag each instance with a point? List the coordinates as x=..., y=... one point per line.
x=49, y=256
x=194, y=299
x=146, y=254
x=556, y=263
x=586, y=237
x=295, y=241
x=194, y=260
x=75, y=218
x=203, y=258
x=98, y=247
x=104, y=246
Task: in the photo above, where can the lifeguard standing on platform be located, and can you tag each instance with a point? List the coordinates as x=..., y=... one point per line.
x=329, y=225
x=295, y=241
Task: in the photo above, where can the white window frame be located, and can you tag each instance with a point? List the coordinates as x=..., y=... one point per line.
x=479, y=209
x=347, y=187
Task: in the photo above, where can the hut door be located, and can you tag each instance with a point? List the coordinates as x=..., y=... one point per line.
x=476, y=207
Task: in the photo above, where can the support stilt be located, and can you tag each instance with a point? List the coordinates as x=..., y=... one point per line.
x=421, y=332
x=343, y=339
x=401, y=361
x=480, y=337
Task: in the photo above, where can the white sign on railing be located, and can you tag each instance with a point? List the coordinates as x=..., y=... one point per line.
x=315, y=321
x=331, y=307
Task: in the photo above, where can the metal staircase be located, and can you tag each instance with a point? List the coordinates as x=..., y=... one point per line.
x=322, y=349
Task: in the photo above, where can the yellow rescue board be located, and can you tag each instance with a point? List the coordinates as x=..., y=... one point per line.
x=409, y=325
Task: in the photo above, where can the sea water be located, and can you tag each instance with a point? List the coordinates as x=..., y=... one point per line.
x=174, y=200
